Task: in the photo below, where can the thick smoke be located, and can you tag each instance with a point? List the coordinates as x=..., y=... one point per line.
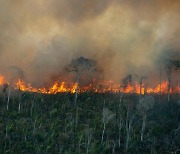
x=41, y=37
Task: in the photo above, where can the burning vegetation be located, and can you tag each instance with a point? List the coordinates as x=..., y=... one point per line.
x=98, y=87
x=80, y=66
x=90, y=76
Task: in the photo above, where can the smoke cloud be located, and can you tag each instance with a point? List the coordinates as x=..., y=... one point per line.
x=41, y=37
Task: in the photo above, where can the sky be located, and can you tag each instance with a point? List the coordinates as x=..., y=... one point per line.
x=124, y=36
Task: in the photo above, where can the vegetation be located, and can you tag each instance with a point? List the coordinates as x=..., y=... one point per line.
x=36, y=123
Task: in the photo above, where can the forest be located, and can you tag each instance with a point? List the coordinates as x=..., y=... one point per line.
x=99, y=123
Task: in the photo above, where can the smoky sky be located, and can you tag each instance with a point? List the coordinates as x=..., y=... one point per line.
x=41, y=37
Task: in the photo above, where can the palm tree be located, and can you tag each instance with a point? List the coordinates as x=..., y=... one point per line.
x=107, y=116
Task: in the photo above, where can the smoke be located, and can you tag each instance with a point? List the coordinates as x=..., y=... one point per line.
x=41, y=37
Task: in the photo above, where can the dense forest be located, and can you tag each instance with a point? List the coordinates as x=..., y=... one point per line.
x=99, y=123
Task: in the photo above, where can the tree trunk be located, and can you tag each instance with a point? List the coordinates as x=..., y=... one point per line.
x=169, y=84
x=9, y=93
x=103, y=133
x=127, y=132
x=120, y=127
x=168, y=71
x=140, y=84
x=76, y=121
x=143, y=127
x=160, y=76
x=121, y=97
x=76, y=91
x=129, y=121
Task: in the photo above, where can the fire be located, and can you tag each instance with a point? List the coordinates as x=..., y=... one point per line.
x=100, y=87
x=2, y=80
x=55, y=88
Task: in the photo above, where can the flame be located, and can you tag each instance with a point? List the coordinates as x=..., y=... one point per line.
x=101, y=87
x=2, y=80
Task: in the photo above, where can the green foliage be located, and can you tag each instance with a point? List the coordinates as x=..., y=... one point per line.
x=46, y=124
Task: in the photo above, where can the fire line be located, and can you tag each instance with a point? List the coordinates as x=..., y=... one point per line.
x=101, y=87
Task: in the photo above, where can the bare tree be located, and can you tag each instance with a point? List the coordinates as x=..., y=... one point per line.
x=130, y=115
x=145, y=103
x=168, y=68
x=170, y=62
x=15, y=73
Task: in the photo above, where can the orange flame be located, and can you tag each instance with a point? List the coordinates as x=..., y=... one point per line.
x=101, y=87
x=2, y=80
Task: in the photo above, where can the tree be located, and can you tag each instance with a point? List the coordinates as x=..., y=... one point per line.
x=107, y=116
x=140, y=81
x=170, y=62
x=171, y=65
x=127, y=80
x=79, y=66
x=168, y=68
x=145, y=103
x=130, y=115
x=15, y=73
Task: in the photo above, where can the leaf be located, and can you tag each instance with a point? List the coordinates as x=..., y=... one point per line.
x=107, y=115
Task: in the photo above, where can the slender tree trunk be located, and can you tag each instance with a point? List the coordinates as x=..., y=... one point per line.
x=4, y=97
x=160, y=78
x=129, y=121
x=76, y=122
x=121, y=96
x=34, y=127
x=120, y=127
x=76, y=91
x=168, y=71
x=114, y=146
x=169, y=87
x=19, y=100
x=169, y=84
x=140, y=84
x=143, y=127
x=127, y=132
x=88, y=143
x=9, y=94
x=103, y=132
